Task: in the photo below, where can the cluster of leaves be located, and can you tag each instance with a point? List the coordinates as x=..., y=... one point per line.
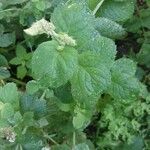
x=71, y=76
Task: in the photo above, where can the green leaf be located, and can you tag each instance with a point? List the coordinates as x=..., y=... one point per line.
x=7, y=111
x=145, y=17
x=75, y=20
x=105, y=47
x=42, y=122
x=117, y=11
x=32, y=87
x=3, y=61
x=17, y=118
x=143, y=56
x=125, y=66
x=148, y=2
x=33, y=104
x=82, y=146
x=21, y=72
x=28, y=118
x=63, y=93
x=81, y=118
x=56, y=67
x=124, y=84
x=92, y=3
x=41, y=5
x=109, y=28
x=31, y=141
x=9, y=94
x=4, y=73
x=134, y=25
x=20, y=51
x=28, y=56
x=91, y=79
x=137, y=144
x=16, y=61
x=7, y=39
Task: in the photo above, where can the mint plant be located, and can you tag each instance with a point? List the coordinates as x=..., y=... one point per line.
x=22, y=59
x=74, y=80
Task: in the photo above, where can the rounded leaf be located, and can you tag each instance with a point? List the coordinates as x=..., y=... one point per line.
x=52, y=66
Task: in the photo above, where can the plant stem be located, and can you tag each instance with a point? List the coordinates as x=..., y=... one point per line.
x=48, y=137
x=97, y=7
x=16, y=81
x=2, y=81
x=11, y=9
x=43, y=95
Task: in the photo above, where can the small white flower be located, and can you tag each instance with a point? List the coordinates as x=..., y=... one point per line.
x=9, y=134
x=40, y=27
x=65, y=39
x=43, y=26
x=11, y=138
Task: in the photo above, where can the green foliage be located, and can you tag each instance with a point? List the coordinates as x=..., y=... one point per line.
x=22, y=59
x=7, y=39
x=57, y=70
x=109, y=28
x=118, y=11
x=4, y=73
x=62, y=85
x=124, y=85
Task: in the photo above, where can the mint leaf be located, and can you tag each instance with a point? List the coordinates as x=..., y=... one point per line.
x=33, y=104
x=143, y=56
x=20, y=51
x=4, y=73
x=117, y=11
x=7, y=111
x=7, y=39
x=81, y=118
x=21, y=72
x=42, y=122
x=32, y=87
x=57, y=67
x=28, y=119
x=9, y=94
x=109, y=28
x=75, y=20
x=91, y=79
x=16, y=61
x=40, y=5
x=124, y=85
x=3, y=61
x=125, y=66
x=105, y=47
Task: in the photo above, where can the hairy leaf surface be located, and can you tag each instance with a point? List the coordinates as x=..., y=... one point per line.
x=54, y=66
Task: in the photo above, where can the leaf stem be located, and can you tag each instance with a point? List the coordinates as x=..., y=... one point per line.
x=98, y=6
x=16, y=81
x=43, y=95
x=48, y=137
x=11, y=9
x=2, y=81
